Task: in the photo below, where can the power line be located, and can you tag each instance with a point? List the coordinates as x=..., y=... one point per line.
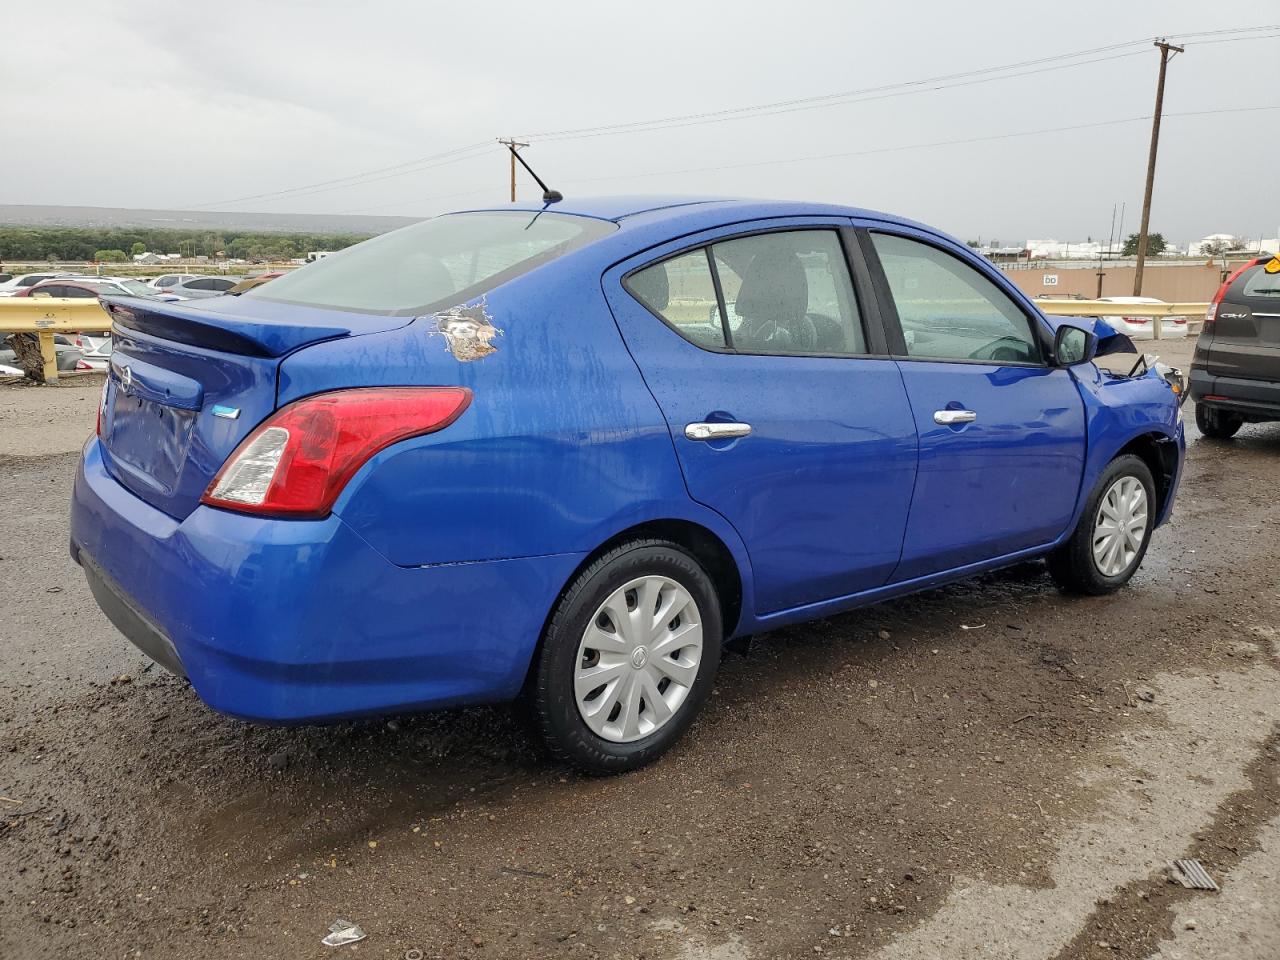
x=946, y=81
x=856, y=153
x=894, y=89
x=340, y=182
x=915, y=146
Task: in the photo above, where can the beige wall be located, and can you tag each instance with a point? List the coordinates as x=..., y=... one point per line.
x=1176, y=283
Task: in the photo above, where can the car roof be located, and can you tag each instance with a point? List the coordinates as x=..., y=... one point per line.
x=654, y=209
x=1130, y=300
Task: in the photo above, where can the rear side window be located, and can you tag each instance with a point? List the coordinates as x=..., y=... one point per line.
x=434, y=264
x=682, y=291
x=950, y=311
x=786, y=293
x=221, y=284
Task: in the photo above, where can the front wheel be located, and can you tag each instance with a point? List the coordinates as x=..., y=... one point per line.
x=1111, y=537
x=628, y=658
x=1217, y=424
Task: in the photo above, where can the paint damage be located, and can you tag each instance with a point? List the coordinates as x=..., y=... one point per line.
x=468, y=330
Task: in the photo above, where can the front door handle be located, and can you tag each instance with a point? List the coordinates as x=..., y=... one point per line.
x=950, y=418
x=716, y=431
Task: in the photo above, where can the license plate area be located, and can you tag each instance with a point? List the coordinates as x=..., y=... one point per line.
x=149, y=440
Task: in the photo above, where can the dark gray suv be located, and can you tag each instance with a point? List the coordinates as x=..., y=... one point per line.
x=1235, y=374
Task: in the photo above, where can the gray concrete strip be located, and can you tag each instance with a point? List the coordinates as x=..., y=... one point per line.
x=1243, y=921
x=1163, y=784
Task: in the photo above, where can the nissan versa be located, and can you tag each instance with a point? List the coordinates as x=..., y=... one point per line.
x=566, y=453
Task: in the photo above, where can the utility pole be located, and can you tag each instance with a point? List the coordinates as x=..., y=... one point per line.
x=514, y=145
x=1167, y=51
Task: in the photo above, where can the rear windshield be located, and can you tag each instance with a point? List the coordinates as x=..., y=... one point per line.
x=434, y=264
x=1258, y=283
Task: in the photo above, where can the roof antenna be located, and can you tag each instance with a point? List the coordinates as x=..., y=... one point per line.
x=548, y=195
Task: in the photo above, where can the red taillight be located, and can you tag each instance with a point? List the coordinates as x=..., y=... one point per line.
x=298, y=460
x=1211, y=314
x=1138, y=320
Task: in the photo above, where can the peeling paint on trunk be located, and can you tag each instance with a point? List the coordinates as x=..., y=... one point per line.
x=468, y=330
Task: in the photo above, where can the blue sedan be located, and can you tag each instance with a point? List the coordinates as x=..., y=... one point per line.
x=565, y=453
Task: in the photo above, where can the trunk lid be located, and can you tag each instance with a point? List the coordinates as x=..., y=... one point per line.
x=1245, y=339
x=187, y=382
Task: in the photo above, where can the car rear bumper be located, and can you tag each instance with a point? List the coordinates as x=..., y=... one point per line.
x=289, y=621
x=1252, y=398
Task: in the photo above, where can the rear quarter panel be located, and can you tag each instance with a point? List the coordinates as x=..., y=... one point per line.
x=561, y=448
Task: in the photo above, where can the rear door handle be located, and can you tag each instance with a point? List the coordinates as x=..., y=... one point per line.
x=716, y=431
x=951, y=417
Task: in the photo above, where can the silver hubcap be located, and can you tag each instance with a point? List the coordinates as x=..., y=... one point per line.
x=1120, y=526
x=638, y=659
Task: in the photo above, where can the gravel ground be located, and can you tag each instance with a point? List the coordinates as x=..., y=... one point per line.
x=988, y=770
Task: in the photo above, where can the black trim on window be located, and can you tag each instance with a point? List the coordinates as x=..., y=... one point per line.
x=859, y=297
x=893, y=326
x=723, y=310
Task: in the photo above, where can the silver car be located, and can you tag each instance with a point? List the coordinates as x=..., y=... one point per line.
x=200, y=287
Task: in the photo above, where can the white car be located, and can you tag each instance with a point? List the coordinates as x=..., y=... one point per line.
x=164, y=281
x=1143, y=328
x=23, y=280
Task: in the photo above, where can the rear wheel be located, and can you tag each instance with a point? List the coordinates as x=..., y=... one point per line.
x=628, y=658
x=1217, y=424
x=1112, y=534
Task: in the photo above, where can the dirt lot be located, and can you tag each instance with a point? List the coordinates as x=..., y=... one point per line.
x=989, y=770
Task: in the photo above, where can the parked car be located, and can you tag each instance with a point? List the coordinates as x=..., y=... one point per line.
x=1143, y=328
x=505, y=453
x=88, y=287
x=1235, y=373
x=14, y=285
x=198, y=288
x=67, y=356
x=250, y=282
x=164, y=281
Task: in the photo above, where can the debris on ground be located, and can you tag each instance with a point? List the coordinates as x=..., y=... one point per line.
x=976, y=626
x=1191, y=874
x=342, y=932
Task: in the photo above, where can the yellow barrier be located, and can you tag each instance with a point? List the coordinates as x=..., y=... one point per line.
x=1194, y=312
x=49, y=315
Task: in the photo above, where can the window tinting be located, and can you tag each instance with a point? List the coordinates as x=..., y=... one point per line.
x=433, y=264
x=681, y=291
x=789, y=293
x=950, y=311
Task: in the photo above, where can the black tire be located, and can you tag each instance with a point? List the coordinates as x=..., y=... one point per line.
x=550, y=692
x=1217, y=424
x=1072, y=565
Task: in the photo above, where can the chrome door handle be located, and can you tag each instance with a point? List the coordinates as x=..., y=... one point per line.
x=716, y=431
x=951, y=417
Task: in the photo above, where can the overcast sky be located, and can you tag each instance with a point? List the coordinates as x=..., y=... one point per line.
x=166, y=105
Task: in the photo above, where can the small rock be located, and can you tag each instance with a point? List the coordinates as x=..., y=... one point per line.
x=1190, y=924
x=279, y=760
x=872, y=684
x=1147, y=696
x=628, y=900
x=393, y=726
x=883, y=634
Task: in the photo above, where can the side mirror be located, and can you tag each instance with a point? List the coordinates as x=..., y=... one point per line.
x=1072, y=345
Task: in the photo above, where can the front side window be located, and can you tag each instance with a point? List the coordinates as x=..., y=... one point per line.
x=434, y=264
x=785, y=294
x=950, y=311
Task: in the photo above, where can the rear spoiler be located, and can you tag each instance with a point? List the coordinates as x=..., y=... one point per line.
x=219, y=330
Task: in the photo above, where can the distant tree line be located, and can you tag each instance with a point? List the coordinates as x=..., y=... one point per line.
x=86, y=243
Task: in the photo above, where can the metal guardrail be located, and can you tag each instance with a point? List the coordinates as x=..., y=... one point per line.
x=46, y=316
x=1101, y=308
